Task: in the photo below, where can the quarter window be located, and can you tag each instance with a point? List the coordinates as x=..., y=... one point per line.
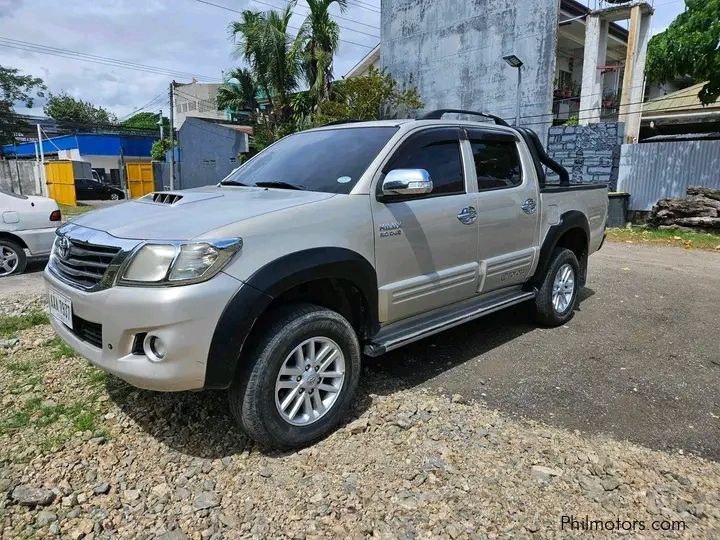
x=497, y=164
x=437, y=153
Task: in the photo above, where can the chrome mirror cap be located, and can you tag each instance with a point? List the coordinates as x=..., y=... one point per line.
x=407, y=182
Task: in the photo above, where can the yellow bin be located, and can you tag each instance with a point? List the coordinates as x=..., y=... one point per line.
x=140, y=179
x=61, y=182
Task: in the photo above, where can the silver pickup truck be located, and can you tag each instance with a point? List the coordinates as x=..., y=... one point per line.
x=335, y=242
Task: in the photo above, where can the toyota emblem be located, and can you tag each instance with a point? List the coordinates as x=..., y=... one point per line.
x=63, y=247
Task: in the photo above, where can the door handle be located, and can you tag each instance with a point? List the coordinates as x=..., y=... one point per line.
x=467, y=215
x=529, y=206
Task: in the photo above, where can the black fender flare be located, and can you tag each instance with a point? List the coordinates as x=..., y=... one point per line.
x=573, y=219
x=268, y=283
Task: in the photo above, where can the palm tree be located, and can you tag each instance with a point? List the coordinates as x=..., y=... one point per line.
x=323, y=34
x=239, y=92
x=274, y=55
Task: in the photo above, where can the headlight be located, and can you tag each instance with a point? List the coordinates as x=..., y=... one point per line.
x=178, y=263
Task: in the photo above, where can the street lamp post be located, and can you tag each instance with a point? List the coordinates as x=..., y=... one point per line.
x=513, y=61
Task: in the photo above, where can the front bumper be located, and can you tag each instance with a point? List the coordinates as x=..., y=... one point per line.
x=184, y=318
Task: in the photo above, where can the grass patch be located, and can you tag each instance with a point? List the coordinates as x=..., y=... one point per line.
x=61, y=349
x=14, y=324
x=19, y=367
x=70, y=212
x=666, y=237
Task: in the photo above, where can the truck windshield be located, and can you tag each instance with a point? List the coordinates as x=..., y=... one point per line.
x=330, y=161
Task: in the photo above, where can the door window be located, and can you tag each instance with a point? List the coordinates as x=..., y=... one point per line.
x=438, y=152
x=497, y=163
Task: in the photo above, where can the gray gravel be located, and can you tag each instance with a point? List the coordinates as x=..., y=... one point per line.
x=639, y=361
x=412, y=461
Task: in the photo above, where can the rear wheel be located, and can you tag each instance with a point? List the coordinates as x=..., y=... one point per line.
x=114, y=197
x=12, y=258
x=555, y=302
x=303, y=372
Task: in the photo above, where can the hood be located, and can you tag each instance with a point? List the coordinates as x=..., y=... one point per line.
x=183, y=215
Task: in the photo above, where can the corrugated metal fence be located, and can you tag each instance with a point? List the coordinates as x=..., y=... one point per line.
x=654, y=171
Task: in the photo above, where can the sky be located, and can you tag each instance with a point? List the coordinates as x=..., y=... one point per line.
x=188, y=36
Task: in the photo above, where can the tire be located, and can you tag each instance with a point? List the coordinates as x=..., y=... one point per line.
x=114, y=197
x=256, y=400
x=12, y=258
x=547, y=308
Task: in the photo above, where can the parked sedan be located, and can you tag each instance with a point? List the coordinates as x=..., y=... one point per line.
x=27, y=227
x=92, y=190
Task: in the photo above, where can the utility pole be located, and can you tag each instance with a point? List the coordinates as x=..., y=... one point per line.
x=172, y=135
x=43, y=176
x=160, y=123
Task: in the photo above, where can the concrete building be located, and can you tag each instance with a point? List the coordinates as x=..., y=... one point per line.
x=197, y=100
x=102, y=151
x=208, y=150
x=452, y=51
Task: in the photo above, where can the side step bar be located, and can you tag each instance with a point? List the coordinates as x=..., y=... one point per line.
x=401, y=333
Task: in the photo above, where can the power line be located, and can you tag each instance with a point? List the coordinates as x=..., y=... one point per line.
x=153, y=101
x=95, y=59
x=364, y=5
x=226, y=8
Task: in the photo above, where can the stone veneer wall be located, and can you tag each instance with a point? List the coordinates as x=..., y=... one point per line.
x=590, y=153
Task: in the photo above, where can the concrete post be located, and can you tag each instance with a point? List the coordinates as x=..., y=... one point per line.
x=596, y=34
x=633, y=91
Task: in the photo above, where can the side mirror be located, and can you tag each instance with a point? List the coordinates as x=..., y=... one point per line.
x=407, y=182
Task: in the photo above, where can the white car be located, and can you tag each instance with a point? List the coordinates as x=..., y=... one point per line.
x=27, y=228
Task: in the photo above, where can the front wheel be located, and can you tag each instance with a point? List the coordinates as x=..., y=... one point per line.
x=114, y=197
x=303, y=369
x=555, y=302
x=12, y=258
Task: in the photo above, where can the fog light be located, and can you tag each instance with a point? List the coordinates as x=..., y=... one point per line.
x=154, y=348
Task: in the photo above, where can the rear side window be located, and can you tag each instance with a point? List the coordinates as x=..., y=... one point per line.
x=438, y=152
x=497, y=164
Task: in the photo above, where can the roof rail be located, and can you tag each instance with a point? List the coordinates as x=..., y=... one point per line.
x=340, y=122
x=438, y=114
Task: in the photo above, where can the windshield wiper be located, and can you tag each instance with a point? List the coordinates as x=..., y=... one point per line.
x=232, y=183
x=279, y=184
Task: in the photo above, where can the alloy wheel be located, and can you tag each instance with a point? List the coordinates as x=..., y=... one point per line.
x=9, y=260
x=310, y=381
x=563, y=288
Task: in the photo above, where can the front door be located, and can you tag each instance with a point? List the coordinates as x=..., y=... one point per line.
x=507, y=210
x=426, y=245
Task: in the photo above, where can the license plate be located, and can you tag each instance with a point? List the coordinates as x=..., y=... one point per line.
x=60, y=307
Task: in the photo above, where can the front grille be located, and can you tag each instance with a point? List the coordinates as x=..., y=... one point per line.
x=84, y=264
x=88, y=331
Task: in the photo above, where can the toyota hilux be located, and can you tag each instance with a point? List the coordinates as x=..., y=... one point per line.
x=339, y=241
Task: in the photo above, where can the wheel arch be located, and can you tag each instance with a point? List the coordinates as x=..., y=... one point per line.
x=573, y=233
x=337, y=278
x=4, y=235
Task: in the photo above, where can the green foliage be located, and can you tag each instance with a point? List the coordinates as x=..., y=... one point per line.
x=278, y=61
x=146, y=120
x=572, y=121
x=68, y=110
x=16, y=89
x=159, y=149
x=323, y=35
x=370, y=97
x=689, y=47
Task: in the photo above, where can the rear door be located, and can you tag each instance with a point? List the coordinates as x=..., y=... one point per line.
x=426, y=245
x=508, y=203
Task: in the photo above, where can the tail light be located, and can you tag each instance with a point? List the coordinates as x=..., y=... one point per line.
x=55, y=215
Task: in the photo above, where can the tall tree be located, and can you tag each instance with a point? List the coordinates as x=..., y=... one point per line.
x=275, y=55
x=689, y=46
x=322, y=34
x=239, y=91
x=71, y=111
x=146, y=121
x=16, y=89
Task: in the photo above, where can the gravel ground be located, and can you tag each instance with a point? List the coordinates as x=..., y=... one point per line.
x=87, y=456
x=83, y=455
